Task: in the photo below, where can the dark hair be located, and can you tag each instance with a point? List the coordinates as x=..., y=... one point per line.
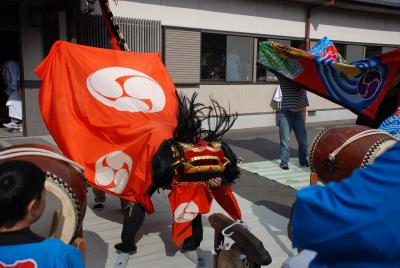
x=20, y=183
x=191, y=115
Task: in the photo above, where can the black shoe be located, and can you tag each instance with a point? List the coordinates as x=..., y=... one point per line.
x=118, y=247
x=98, y=206
x=284, y=166
x=305, y=165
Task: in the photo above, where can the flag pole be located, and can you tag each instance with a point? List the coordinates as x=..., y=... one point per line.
x=116, y=37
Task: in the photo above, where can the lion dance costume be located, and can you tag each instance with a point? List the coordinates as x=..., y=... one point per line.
x=117, y=114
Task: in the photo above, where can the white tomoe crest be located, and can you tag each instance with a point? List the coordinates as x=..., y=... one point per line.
x=126, y=89
x=112, y=171
x=186, y=212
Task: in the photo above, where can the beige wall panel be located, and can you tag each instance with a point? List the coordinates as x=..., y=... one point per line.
x=266, y=17
x=250, y=99
x=354, y=26
x=253, y=16
x=240, y=98
x=318, y=103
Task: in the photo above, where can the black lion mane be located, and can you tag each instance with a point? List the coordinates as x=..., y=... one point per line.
x=196, y=121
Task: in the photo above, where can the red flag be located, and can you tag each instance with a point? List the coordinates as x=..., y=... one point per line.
x=109, y=111
x=360, y=86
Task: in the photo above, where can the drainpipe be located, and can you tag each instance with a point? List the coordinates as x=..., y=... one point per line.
x=308, y=25
x=308, y=19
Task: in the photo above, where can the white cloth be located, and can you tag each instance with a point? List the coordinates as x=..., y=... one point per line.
x=276, y=100
x=278, y=94
x=14, y=104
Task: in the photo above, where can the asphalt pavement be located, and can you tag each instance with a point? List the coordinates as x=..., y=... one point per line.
x=260, y=144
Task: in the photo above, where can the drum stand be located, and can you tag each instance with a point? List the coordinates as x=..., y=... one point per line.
x=246, y=251
x=313, y=178
x=80, y=244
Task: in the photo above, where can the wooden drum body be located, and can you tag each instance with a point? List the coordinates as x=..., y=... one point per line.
x=65, y=195
x=338, y=150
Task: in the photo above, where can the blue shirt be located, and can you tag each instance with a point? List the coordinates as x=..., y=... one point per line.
x=49, y=253
x=354, y=223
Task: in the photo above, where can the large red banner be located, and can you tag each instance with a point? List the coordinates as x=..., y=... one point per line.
x=109, y=111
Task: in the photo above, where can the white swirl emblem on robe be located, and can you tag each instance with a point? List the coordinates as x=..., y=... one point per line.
x=186, y=212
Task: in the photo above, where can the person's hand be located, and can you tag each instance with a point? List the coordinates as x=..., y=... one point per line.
x=305, y=114
x=214, y=182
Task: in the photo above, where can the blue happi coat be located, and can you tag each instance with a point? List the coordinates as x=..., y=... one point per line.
x=354, y=223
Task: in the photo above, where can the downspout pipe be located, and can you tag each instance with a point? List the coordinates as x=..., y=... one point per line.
x=308, y=19
x=308, y=25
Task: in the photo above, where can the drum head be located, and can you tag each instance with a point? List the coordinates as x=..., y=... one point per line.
x=61, y=216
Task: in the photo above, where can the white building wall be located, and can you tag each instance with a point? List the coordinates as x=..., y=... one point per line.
x=271, y=18
x=252, y=104
x=252, y=16
x=353, y=26
x=249, y=99
x=266, y=18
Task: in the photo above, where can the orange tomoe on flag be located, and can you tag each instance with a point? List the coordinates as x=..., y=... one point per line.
x=109, y=111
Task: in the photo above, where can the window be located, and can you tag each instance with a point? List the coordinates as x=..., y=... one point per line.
x=354, y=52
x=387, y=49
x=226, y=58
x=213, y=49
x=231, y=58
x=239, y=58
x=301, y=44
x=371, y=51
x=341, y=48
